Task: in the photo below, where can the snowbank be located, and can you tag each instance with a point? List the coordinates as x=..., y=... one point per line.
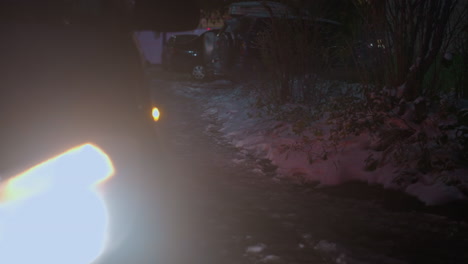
x=305, y=160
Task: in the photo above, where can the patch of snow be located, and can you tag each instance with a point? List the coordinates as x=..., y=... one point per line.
x=238, y=161
x=258, y=170
x=221, y=82
x=325, y=246
x=448, y=56
x=211, y=111
x=435, y=194
x=341, y=259
x=255, y=249
x=307, y=237
x=416, y=64
x=418, y=100
x=270, y=259
x=257, y=134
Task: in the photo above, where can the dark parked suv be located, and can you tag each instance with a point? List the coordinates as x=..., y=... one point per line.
x=235, y=46
x=189, y=53
x=173, y=55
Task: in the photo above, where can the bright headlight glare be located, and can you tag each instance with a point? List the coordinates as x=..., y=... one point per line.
x=52, y=213
x=155, y=113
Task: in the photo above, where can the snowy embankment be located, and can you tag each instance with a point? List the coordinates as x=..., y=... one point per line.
x=311, y=156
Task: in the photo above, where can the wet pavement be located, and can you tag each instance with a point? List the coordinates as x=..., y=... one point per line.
x=202, y=207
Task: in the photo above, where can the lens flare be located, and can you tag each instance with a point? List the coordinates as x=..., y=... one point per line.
x=52, y=213
x=155, y=113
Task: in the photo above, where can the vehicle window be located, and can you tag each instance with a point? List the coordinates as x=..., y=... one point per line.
x=258, y=28
x=260, y=25
x=181, y=39
x=171, y=40
x=244, y=25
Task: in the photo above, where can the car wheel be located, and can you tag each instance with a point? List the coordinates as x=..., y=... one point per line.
x=199, y=72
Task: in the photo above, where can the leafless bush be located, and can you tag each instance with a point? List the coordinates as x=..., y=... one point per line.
x=415, y=33
x=459, y=48
x=294, y=53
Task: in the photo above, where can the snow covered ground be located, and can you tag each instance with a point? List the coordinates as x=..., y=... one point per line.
x=231, y=108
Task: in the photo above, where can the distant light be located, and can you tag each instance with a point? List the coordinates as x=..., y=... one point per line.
x=52, y=213
x=208, y=28
x=156, y=114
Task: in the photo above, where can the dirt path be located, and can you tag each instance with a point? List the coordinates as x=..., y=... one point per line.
x=224, y=212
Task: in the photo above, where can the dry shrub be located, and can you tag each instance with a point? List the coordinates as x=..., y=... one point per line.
x=415, y=34
x=295, y=52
